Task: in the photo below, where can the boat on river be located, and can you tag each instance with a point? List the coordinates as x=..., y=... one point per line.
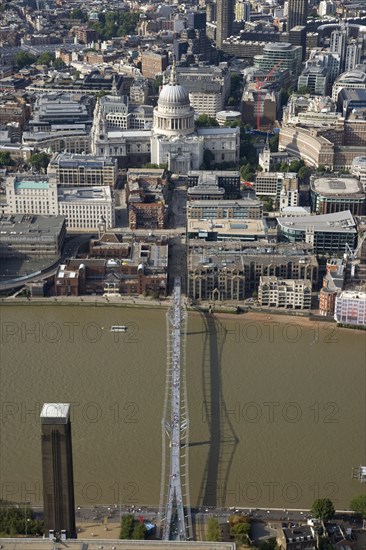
x=119, y=328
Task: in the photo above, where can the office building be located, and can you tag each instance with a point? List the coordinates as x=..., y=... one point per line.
x=350, y=308
x=272, y=184
x=281, y=55
x=227, y=180
x=328, y=234
x=28, y=236
x=251, y=209
x=225, y=18
x=84, y=207
x=315, y=78
x=226, y=229
x=336, y=194
x=57, y=471
x=297, y=13
x=284, y=293
x=31, y=194
x=353, y=80
x=83, y=170
x=153, y=63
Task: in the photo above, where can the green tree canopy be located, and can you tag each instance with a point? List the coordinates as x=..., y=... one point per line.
x=46, y=58
x=358, y=505
x=58, y=63
x=156, y=83
x=18, y=520
x=304, y=173
x=213, y=530
x=5, y=159
x=139, y=531
x=39, y=161
x=295, y=165
x=127, y=526
x=22, y=59
x=247, y=172
x=240, y=532
x=323, y=509
x=114, y=24
x=303, y=90
x=77, y=13
x=205, y=121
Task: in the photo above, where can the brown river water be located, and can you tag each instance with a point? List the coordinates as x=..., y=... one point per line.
x=277, y=408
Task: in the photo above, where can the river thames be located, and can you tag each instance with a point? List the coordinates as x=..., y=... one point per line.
x=276, y=407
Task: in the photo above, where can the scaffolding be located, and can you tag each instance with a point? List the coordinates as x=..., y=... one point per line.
x=175, y=522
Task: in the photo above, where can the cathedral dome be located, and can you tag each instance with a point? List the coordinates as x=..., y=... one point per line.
x=172, y=94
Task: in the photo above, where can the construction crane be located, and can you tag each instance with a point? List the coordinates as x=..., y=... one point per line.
x=352, y=254
x=259, y=85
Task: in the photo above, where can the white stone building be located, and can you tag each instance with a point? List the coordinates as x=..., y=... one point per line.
x=84, y=208
x=31, y=194
x=350, y=308
x=284, y=293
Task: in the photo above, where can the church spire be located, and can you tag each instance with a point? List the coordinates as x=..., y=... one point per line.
x=173, y=74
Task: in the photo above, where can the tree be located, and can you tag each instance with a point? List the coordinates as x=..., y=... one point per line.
x=127, y=525
x=247, y=172
x=156, y=83
x=59, y=64
x=323, y=509
x=269, y=544
x=283, y=167
x=39, y=161
x=213, y=530
x=77, y=13
x=22, y=59
x=358, y=505
x=295, y=165
x=240, y=532
x=113, y=24
x=16, y=520
x=139, y=531
x=273, y=143
x=303, y=90
x=205, y=121
x=46, y=58
x=5, y=159
x=304, y=173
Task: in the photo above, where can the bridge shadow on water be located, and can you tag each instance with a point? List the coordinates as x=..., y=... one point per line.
x=222, y=437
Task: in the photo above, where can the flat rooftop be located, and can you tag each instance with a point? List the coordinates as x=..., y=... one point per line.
x=239, y=203
x=55, y=413
x=12, y=225
x=336, y=186
x=228, y=227
x=340, y=222
x=352, y=295
x=31, y=184
x=71, y=160
x=93, y=194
